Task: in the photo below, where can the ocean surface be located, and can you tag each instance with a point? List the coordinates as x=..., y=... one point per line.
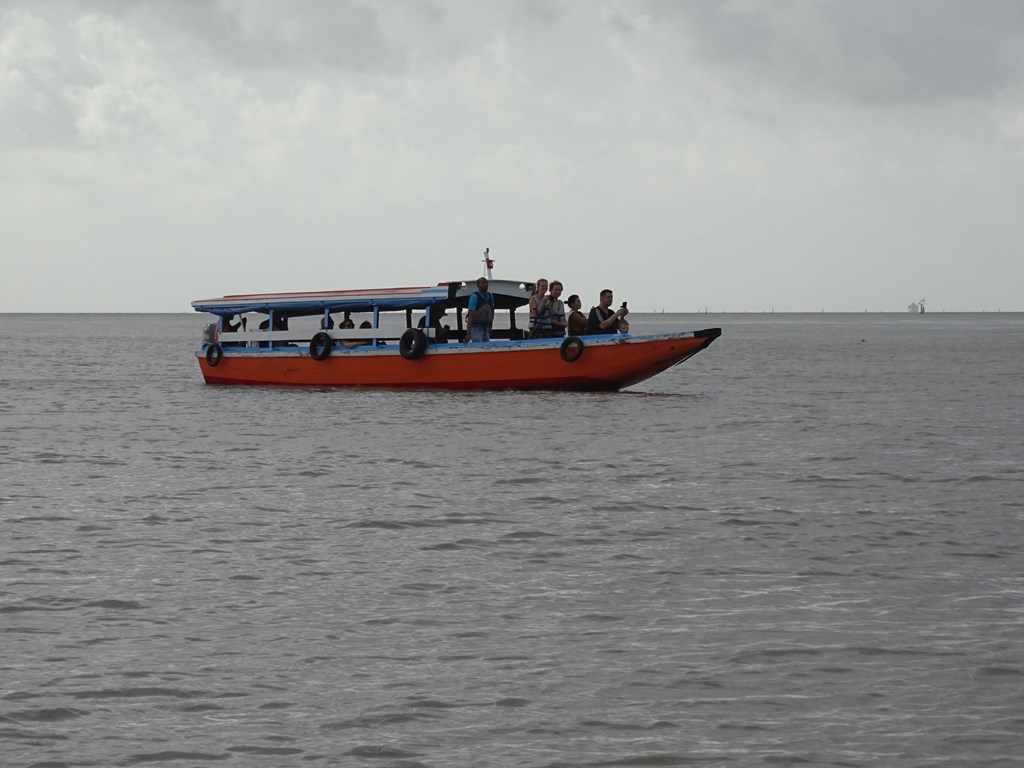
x=802, y=547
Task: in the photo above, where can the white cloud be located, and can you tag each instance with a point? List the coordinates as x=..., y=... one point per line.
x=736, y=155
x=872, y=51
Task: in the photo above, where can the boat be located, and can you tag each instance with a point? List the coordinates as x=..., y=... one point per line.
x=290, y=339
x=916, y=307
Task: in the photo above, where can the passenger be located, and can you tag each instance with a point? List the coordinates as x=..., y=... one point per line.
x=551, y=314
x=577, y=320
x=265, y=326
x=623, y=325
x=440, y=331
x=348, y=325
x=229, y=327
x=281, y=324
x=602, y=319
x=539, y=289
x=210, y=334
x=366, y=324
x=480, y=316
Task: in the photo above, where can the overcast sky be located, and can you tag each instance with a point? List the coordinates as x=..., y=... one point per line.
x=737, y=155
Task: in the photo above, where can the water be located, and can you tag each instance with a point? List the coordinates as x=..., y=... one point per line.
x=801, y=547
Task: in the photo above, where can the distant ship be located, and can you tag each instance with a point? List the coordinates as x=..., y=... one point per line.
x=916, y=307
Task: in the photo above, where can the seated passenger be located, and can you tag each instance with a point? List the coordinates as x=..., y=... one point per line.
x=265, y=326
x=440, y=331
x=228, y=327
x=364, y=325
x=348, y=324
x=281, y=324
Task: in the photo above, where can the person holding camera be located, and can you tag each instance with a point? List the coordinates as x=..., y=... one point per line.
x=602, y=319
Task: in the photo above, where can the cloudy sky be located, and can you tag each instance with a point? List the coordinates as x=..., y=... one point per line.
x=794, y=155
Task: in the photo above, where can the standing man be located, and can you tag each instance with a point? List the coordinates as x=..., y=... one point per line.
x=481, y=313
x=602, y=319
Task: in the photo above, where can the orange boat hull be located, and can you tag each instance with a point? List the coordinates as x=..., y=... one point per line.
x=606, y=363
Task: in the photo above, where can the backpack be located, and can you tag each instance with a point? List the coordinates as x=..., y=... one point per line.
x=483, y=316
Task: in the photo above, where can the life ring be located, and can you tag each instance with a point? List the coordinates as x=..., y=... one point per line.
x=413, y=344
x=320, y=346
x=214, y=354
x=571, y=349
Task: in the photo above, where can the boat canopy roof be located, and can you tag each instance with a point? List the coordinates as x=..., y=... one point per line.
x=507, y=295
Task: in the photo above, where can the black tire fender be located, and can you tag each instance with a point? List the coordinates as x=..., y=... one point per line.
x=413, y=344
x=572, y=349
x=214, y=354
x=320, y=346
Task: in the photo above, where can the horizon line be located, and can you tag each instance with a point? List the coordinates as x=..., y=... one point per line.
x=633, y=312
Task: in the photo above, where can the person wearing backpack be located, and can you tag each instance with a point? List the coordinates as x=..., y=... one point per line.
x=480, y=316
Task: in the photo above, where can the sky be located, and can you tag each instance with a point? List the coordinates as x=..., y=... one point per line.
x=740, y=155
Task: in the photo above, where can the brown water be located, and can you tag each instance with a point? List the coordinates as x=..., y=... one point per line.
x=803, y=546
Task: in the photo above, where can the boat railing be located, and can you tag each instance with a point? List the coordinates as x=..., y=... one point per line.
x=263, y=338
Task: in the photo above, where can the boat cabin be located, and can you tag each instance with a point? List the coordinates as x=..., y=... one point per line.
x=357, y=318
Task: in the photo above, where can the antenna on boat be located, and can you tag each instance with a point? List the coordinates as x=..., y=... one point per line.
x=488, y=262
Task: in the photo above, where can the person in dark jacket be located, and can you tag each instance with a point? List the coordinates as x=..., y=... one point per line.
x=602, y=319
